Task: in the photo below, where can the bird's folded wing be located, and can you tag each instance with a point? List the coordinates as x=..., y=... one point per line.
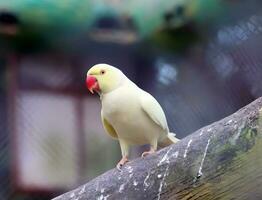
x=108, y=127
x=153, y=109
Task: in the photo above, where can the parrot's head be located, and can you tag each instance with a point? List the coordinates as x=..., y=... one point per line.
x=103, y=78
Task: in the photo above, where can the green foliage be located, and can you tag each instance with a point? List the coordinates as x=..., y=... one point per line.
x=174, y=39
x=45, y=23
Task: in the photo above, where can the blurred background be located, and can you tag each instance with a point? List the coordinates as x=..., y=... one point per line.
x=200, y=58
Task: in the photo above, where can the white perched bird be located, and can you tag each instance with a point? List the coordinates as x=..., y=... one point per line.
x=128, y=113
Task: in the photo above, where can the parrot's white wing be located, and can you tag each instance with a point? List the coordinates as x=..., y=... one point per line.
x=108, y=127
x=153, y=109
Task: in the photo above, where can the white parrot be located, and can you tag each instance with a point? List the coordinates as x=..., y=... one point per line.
x=129, y=114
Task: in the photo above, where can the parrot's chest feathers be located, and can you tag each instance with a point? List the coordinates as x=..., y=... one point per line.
x=123, y=111
x=120, y=107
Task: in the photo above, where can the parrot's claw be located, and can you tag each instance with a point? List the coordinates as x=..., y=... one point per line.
x=146, y=153
x=121, y=163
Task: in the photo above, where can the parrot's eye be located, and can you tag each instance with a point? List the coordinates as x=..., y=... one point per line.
x=102, y=72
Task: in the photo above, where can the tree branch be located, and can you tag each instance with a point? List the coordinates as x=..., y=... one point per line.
x=220, y=161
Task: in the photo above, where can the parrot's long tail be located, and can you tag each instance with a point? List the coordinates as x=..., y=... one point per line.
x=170, y=139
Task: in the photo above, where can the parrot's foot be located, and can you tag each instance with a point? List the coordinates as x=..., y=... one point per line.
x=148, y=152
x=121, y=163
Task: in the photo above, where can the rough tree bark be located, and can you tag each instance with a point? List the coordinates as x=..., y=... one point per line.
x=220, y=161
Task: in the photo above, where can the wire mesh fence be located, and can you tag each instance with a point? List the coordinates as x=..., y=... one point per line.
x=51, y=137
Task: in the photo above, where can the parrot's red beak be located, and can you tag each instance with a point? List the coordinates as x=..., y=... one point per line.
x=92, y=84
